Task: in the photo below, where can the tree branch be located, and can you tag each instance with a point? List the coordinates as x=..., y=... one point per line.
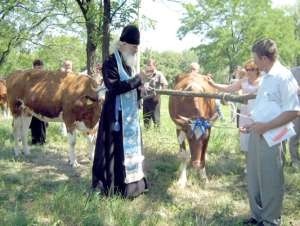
x=114, y=13
x=82, y=8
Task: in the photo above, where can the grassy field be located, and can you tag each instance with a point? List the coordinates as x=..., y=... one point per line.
x=42, y=189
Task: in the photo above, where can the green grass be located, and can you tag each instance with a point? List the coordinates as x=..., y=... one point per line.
x=42, y=189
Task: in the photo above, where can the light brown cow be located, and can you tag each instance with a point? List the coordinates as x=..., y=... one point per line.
x=191, y=115
x=3, y=98
x=53, y=96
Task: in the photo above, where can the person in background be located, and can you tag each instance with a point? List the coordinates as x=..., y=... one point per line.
x=67, y=66
x=275, y=106
x=38, y=127
x=117, y=167
x=247, y=85
x=151, y=104
x=294, y=141
x=194, y=68
x=239, y=73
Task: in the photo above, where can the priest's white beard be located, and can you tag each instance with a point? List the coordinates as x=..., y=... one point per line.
x=130, y=60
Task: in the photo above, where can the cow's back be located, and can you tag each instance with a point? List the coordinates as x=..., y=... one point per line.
x=46, y=92
x=191, y=107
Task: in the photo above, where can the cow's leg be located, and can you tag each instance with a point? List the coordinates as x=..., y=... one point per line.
x=182, y=181
x=91, y=145
x=72, y=141
x=203, y=157
x=63, y=130
x=184, y=156
x=6, y=112
x=181, y=136
x=17, y=130
x=2, y=111
x=25, y=126
x=198, y=149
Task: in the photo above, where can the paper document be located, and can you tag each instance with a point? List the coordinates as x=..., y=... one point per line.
x=276, y=136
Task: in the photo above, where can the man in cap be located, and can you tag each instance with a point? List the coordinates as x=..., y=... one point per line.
x=151, y=105
x=117, y=167
x=38, y=127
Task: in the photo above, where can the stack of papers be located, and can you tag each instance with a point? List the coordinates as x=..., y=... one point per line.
x=277, y=135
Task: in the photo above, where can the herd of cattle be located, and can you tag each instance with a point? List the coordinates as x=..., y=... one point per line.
x=76, y=100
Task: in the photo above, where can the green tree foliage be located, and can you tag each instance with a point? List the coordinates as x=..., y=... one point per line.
x=58, y=49
x=53, y=52
x=294, y=11
x=231, y=27
x=99, y=18
x=24, y=23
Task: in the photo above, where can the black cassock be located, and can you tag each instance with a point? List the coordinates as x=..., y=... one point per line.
x=108, y=173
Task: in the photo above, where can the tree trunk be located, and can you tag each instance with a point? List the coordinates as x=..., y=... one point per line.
x=105, y=29
x=91, y=47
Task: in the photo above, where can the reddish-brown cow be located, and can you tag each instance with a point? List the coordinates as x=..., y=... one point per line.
x=192, y=116
x=3, y=98
x=53, y=96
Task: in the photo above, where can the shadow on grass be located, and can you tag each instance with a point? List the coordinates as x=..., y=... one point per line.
x=161, y=171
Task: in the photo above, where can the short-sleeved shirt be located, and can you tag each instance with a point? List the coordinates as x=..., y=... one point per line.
x=156, y=81
x=296, y=72
x=277, y=94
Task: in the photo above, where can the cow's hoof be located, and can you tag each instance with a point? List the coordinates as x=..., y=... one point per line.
x=203, y=176
x=181, y=184
x=205, y=180
x=74, y=163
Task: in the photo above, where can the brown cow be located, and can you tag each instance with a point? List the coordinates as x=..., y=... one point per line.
x=3, y=98
x=53, y=96
x=191, y=115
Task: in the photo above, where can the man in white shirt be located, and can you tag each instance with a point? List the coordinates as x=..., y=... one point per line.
x=276, y=105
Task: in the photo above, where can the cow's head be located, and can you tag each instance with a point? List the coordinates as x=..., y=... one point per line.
x=88, y=105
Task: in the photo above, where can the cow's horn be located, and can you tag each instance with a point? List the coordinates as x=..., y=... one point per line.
x=89, y=102
x=100, y=90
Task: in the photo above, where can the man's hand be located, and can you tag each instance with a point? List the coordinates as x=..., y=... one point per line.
x=256, y=127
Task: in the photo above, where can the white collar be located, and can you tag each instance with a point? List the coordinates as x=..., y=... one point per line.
x=274, y=69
